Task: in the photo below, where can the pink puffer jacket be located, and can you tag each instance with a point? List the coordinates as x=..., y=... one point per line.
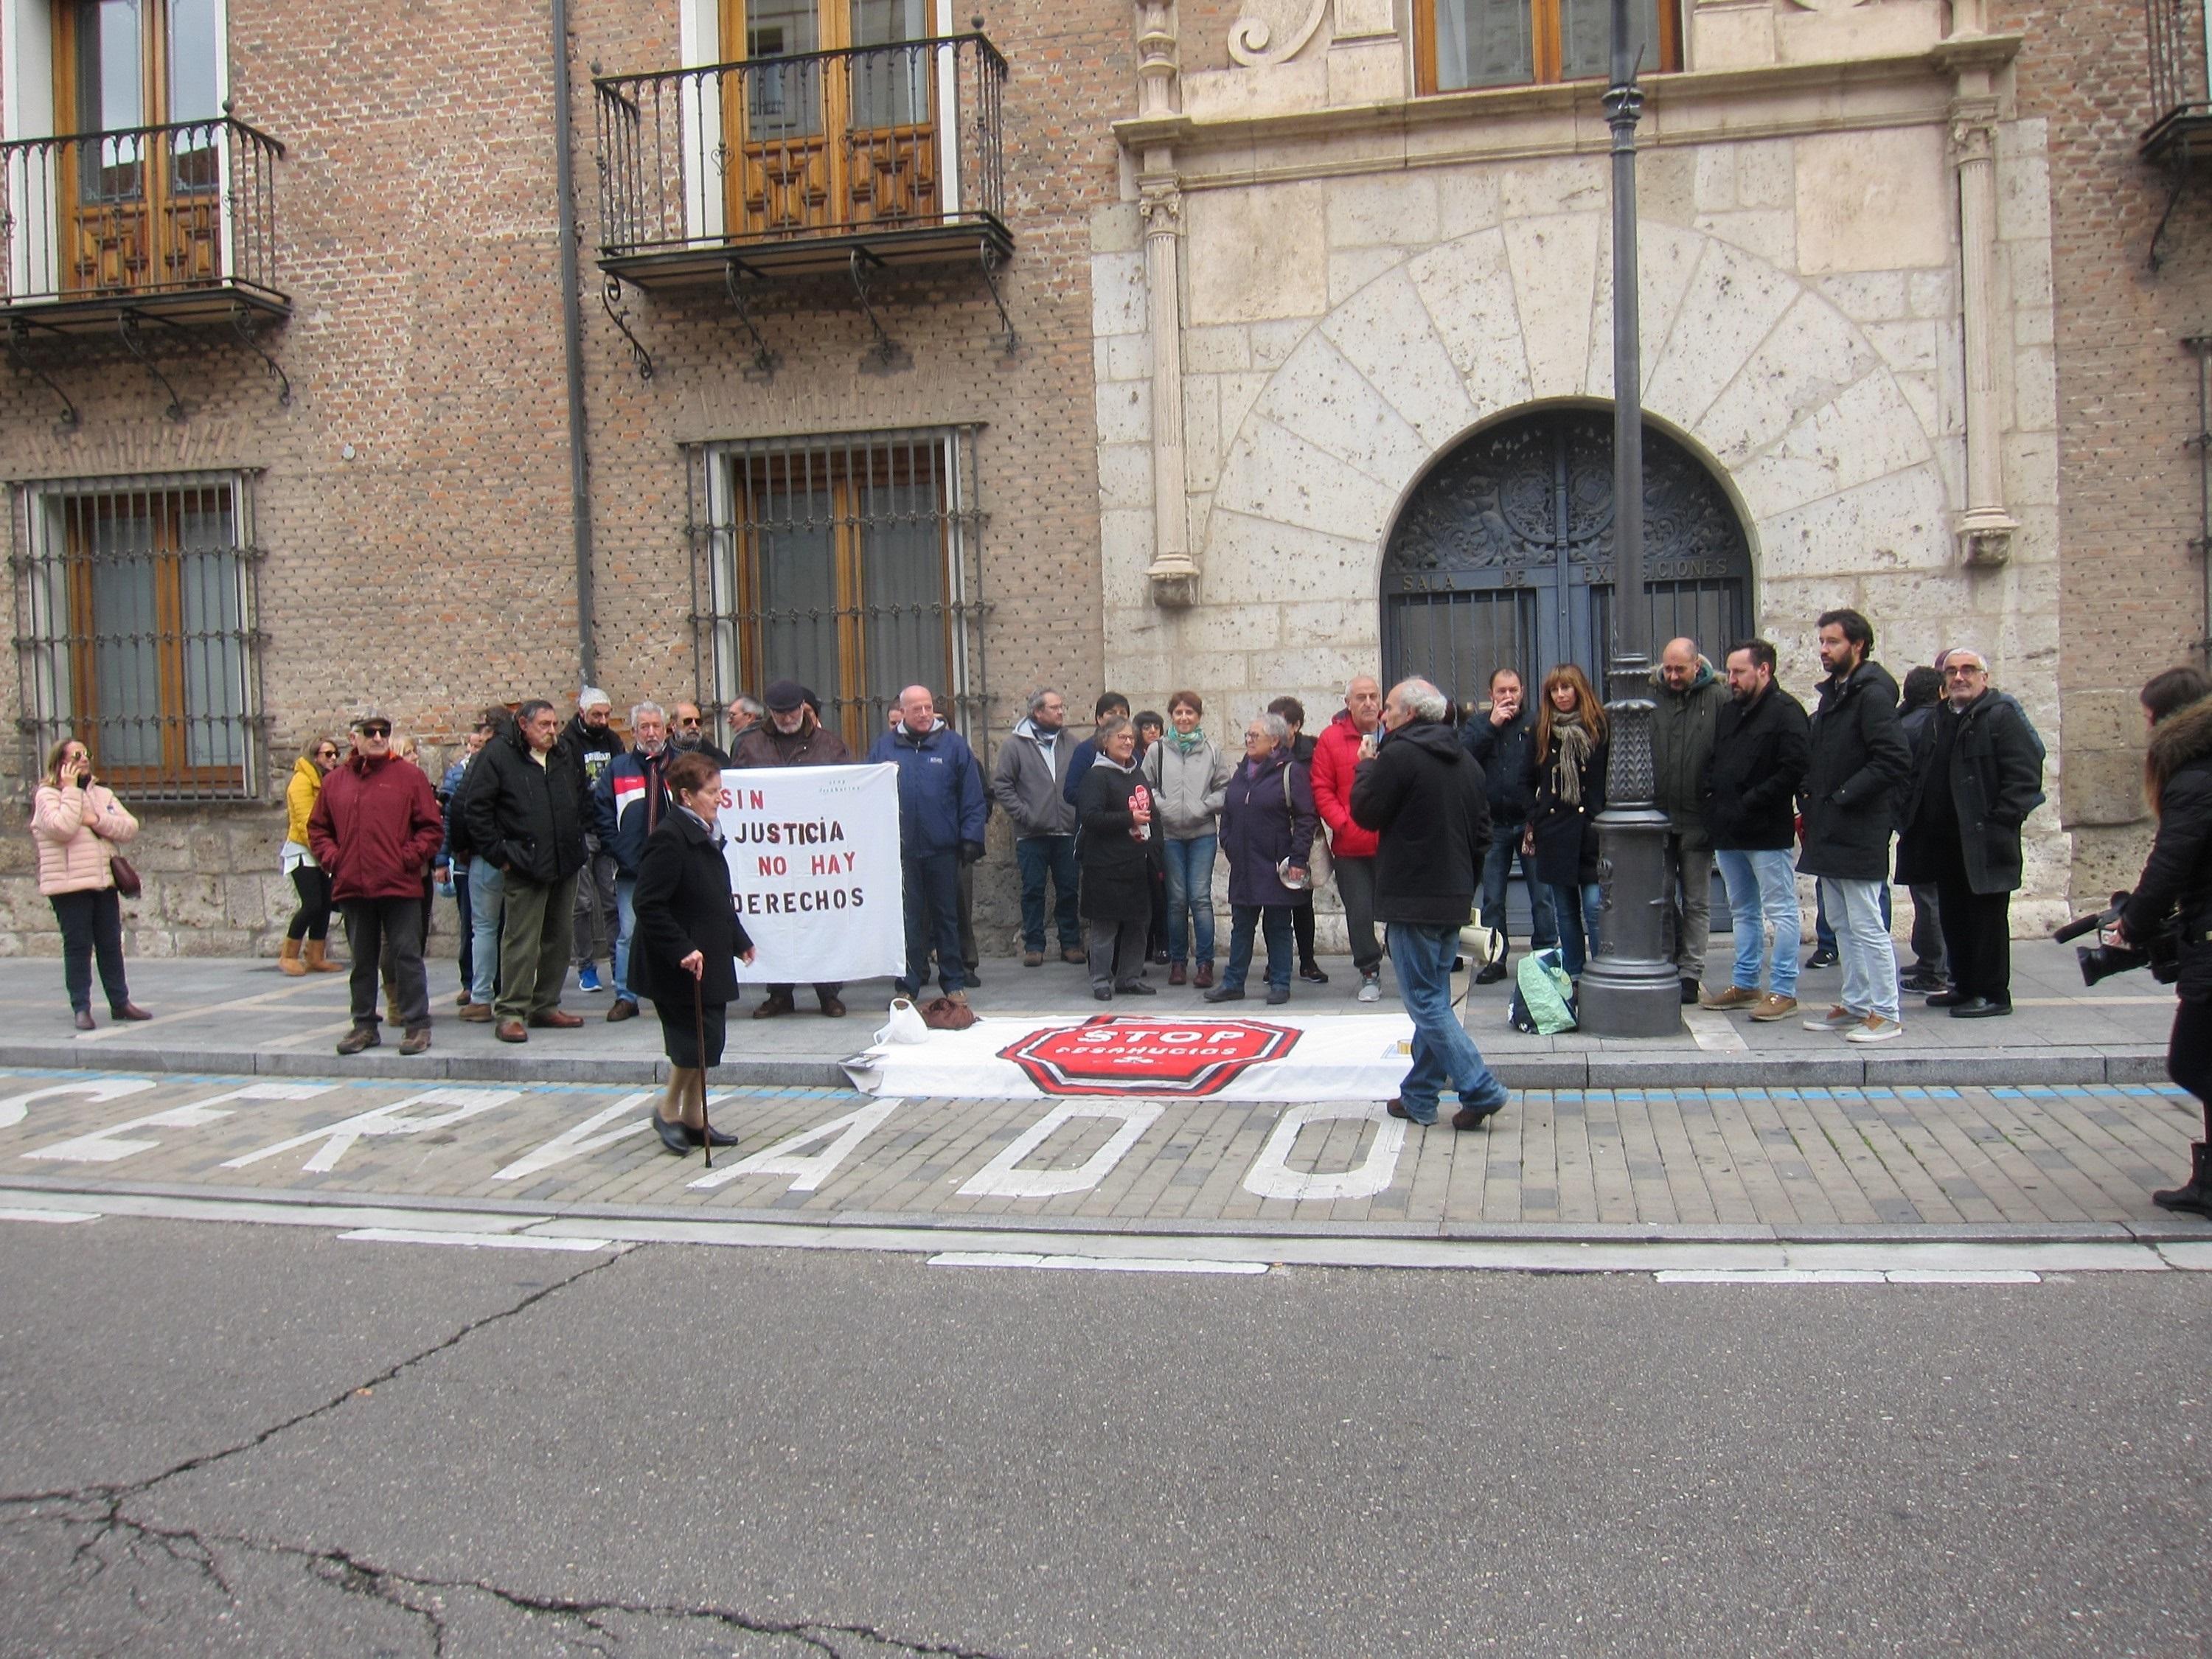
x=77, y=831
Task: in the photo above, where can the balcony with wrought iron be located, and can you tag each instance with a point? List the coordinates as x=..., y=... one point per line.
x=803, y=164
x=2180, y=32
x=176, y=223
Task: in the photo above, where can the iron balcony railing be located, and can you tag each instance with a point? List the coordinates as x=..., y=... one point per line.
x=2180, y=33
x=139, y=211
x=850, y=143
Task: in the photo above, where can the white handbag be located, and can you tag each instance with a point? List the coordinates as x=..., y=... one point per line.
x=905, y=1024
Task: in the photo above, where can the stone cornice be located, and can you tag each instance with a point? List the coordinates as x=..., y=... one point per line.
x=1695, y=107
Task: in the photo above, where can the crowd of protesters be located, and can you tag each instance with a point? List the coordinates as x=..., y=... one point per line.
x=542, y=831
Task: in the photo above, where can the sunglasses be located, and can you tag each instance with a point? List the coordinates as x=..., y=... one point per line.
x=689, y=720
x=376, y=731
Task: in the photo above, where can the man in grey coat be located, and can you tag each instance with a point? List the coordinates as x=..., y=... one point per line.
x=1686, y=699
x=1029, y=784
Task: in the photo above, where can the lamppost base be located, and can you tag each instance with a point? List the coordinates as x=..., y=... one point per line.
x=1631, y=988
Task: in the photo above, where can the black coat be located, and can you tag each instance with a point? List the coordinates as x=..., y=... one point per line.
x=526, y=818
x=1995, y=780
x=1117, y=868
x=1761, y=751
x=684, y=904
x=1566, y=836
x=2178, y=876
x=1859, y=763
x=1423, y=795
x=1504, y=753
x=1261, y=827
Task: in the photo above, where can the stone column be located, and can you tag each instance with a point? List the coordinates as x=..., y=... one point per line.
x=1173, y=574
x=1985, y=529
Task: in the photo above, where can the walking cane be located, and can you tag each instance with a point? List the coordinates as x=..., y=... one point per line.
x=699, y=1036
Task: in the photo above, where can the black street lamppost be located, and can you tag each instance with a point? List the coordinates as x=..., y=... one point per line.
x=1629, y=988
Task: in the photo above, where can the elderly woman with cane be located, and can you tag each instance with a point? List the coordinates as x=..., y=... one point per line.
x=686, y=948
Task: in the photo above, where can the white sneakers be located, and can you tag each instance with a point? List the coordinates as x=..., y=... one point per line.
x=1856, y=1028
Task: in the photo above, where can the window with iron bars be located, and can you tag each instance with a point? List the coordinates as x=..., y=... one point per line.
x=134, y=631
x=851, y=563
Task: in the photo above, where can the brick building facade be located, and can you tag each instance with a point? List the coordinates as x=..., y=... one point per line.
x=400, y=532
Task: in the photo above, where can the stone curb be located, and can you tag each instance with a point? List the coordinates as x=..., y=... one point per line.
x=1521, y=1232
x=1596, y=1069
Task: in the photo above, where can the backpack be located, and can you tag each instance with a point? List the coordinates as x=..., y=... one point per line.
x=1543, y=996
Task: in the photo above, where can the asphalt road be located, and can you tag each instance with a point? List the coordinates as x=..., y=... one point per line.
x=218, y=1439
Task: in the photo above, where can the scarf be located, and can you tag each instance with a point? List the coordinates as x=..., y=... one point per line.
x=1573, y=747
x=1186, y=745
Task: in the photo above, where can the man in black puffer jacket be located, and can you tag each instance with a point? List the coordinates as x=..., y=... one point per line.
x=1422, y=794
x=524, y=816
x=1501, y=740
x=1858, y=762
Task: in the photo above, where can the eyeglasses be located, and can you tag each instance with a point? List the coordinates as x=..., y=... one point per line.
x=376, y=731
x=1963, y=670
x=327, y=753
x=687, y=720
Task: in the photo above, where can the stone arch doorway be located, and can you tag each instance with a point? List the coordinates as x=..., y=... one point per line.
x=1503, y=555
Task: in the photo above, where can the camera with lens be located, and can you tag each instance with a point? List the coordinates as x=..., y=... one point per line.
x=2161, y=953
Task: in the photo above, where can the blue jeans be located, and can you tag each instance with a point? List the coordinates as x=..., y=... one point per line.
x=1762, y=889
x=487, y=907
x=1868, y=957
x=1496, y=865
x=1274, y=922
x=626, y=915
x=1190, y=898
x=1576, y=908
x=1444, y=1055
x=932, y=921
x=1822, y=931
x=1038, y=857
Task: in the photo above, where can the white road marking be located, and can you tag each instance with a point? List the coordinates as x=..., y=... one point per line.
x=843, y=1134
x=474, y=1240
x=1712, y=1032
x=1272, y=1176
x=338, y=1138
x=104, y=1147
x=15, y=1108
x=49, y=1215
x=1093, y=1263
x=1849, y=1277
x=576, y=1141
x=1002, y=1177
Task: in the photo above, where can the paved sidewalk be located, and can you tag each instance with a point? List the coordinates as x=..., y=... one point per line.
x=2029, y=1162
x=246, y=1018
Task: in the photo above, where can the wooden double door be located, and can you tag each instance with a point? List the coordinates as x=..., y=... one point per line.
x=830, y=115
x=1502, y=555
x=138, y=168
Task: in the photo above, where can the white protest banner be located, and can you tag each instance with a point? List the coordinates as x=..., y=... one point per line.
x=814, y=858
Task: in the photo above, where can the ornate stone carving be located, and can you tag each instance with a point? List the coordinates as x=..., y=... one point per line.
x=1252, y=41
x=1158, y=68
x=1159, y=204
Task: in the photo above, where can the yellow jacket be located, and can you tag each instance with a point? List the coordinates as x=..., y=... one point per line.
x=300, y=799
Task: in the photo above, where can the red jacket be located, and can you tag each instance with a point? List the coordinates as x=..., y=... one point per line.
x=375, y=828
x=1335, y=758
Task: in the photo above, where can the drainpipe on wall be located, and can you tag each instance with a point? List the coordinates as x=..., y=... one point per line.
x=572, y=336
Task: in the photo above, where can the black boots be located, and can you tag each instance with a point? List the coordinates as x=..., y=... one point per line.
x=2196, y=1196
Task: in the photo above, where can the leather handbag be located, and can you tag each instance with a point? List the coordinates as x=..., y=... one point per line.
x=127, y=885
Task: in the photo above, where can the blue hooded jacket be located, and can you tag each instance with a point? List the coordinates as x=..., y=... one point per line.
x=942, y=801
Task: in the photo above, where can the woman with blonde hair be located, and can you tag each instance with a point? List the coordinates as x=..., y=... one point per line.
x=78, y=823
x=306, y=941
x=1568, y=767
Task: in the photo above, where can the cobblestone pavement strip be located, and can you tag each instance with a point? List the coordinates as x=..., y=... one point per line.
x=2006, y=1160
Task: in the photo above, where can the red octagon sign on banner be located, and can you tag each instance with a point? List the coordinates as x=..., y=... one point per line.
x=1109, y=1054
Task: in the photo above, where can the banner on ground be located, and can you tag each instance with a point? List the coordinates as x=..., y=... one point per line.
x=814, y=859
x=1179, y=1057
